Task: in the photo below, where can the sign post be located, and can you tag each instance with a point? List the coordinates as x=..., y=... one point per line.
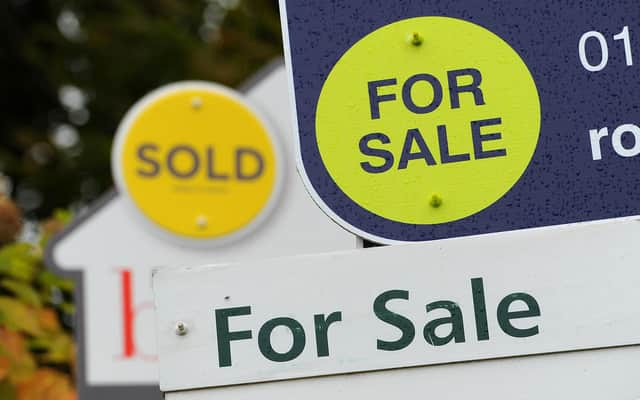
x=111, y=250
x=423, y=120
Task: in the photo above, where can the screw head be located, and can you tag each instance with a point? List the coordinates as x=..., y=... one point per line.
x=196, y=103
x=435, y=201
x=416, y=39
x=181, y=328
x=202, y=221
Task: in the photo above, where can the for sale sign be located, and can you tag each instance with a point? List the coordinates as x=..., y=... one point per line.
x=423, y=120
x=426, y=305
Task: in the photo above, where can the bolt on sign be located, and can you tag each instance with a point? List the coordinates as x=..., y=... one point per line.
x=422, y=120
x=111, y=249
x=455, y=311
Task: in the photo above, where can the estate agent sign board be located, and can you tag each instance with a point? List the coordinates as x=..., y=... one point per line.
x=197, y=161
x=424, y=119
x=534, y=292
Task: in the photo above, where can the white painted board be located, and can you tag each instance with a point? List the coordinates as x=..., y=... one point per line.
x=610, y=374
x=584, y=279
x=109, y=243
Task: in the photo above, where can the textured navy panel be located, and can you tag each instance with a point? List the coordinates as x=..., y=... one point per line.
x=562, y=184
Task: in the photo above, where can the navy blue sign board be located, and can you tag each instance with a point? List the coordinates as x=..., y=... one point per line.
x=526, y=115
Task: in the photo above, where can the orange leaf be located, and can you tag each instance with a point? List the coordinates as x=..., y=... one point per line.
x=49, y=320
x=46, y=384
x=13, y=348
x=5, y=366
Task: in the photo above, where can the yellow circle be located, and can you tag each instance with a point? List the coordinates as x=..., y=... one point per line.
x=428, y=120
x=197, y=161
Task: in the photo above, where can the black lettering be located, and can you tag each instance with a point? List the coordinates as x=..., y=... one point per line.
x=387, y=156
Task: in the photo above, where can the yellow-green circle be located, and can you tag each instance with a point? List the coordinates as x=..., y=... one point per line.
x=345, y=115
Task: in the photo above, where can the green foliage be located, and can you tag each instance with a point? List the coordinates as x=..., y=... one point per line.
x=18, y=261
x=37, y=355
x=23, y=292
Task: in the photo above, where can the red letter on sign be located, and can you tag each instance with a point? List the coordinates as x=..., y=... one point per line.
x=129, y=314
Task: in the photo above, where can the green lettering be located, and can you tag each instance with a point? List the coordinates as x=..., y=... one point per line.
x=455, y=320
x=264, y=339
x=322, y=324
x=397, y=320
x=225, y=336
x=505, y=316
x=480, y=309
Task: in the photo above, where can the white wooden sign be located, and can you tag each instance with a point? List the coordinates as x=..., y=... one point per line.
x=610, y=374
x=491, y=297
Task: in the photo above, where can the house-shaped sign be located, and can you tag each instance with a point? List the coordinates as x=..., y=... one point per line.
x=111, y=255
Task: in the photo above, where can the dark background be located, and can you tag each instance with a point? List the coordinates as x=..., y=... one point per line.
x=69, y=70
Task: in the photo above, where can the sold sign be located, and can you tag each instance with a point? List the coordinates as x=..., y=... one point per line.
x=197, y=161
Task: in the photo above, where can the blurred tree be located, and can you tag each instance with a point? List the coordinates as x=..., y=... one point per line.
x=70, y=69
